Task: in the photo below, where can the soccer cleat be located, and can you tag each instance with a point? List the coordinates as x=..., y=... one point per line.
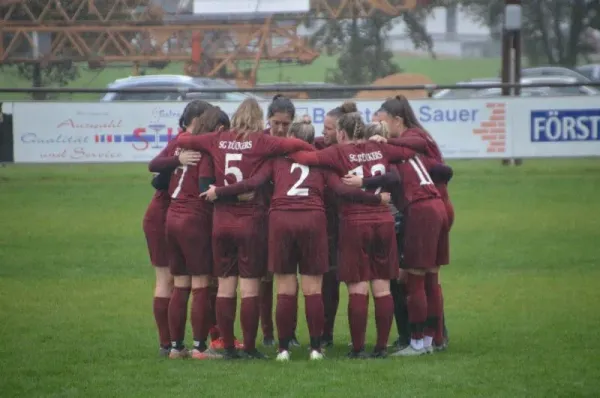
x=441, y=347
x=358, y=355
x=206, y=354
x=232, y=354
x=409, y=351
x=400, y=343
x=283, y=356
x=253, y=354
x=179, y=353
x=379, y=354
x=268, y=342
x=217, y=344
x=316, y=355
x=238, y=344
x=326, y=342
x=294, y=342
x=163, y=352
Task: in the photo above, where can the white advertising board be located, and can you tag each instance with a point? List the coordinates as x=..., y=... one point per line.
x=136, y=132
x=555, y=127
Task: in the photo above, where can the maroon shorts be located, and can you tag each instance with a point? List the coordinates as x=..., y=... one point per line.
x=449, y=212
x=426, y=243
x=298, y=241
x=239, y=245
x=189, y=243
x=367, y=251
x=154, y=230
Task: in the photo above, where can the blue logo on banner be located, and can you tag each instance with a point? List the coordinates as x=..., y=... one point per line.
x=565, y=125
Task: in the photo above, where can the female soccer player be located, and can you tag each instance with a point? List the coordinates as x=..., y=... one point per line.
x=154, y=224
x=239, y=233
x=367, y=237
x=331, y=283
x=280, y=115
x=403, y=123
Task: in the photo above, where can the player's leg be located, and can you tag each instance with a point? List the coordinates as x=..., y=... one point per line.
x=398, y=290
x=162, y=296
x=443, y=258
x=419, y=256
x=354, y=239
x=178, y=306
x=313, y=263
x=384, y=268
x=226, y=268
x=197, y=250
x=252, y=263
x=331, y=293
x=266, y=310
x=282, y=261
x=154, y=230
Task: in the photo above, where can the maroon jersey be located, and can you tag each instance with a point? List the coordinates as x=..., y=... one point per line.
x=184, y=187
x=432, y=151
x=237, y=157
x=364, y=159
x=416, y=181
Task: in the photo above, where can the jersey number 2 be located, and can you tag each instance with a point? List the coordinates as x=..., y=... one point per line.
x=295, y=190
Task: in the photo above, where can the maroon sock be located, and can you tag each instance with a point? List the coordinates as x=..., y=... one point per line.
x=161, y=316
x=225, y=319
x=295, y=321
x=439, y=330
x=284, y=317
x=249, y=315
x=417, y=304
x=212, y=312
x=315, y=318
x=266, y=308
x=200, y=316
x=384, y=316
x=434, y=303
x=331, y=298
x=178, y=315
x=358, y=310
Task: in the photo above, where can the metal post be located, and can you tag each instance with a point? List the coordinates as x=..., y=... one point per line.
x=511, y=52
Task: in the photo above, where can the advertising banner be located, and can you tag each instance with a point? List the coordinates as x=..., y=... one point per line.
x=556, y=127
x=137, y=131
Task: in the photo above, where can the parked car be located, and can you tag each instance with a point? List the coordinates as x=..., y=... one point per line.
x=472, y=86
x=591, y=71
x=547, y=71
x=178, y=83
x=525, y=92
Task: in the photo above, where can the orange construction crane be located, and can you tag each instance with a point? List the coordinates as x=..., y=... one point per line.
x=144, y=33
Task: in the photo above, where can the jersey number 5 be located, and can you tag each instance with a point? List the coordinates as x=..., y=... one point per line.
x=231, y=169
x=295, y=190
x=376, y=169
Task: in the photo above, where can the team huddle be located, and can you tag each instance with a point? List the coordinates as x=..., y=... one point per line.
x=235, y=204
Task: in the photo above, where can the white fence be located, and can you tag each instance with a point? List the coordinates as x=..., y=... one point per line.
x=136, y=132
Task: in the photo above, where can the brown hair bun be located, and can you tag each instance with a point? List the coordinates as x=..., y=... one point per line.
x=349, y=107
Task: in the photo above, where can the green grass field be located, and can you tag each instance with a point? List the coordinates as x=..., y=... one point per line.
x=522, y=296
x=441, y=71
